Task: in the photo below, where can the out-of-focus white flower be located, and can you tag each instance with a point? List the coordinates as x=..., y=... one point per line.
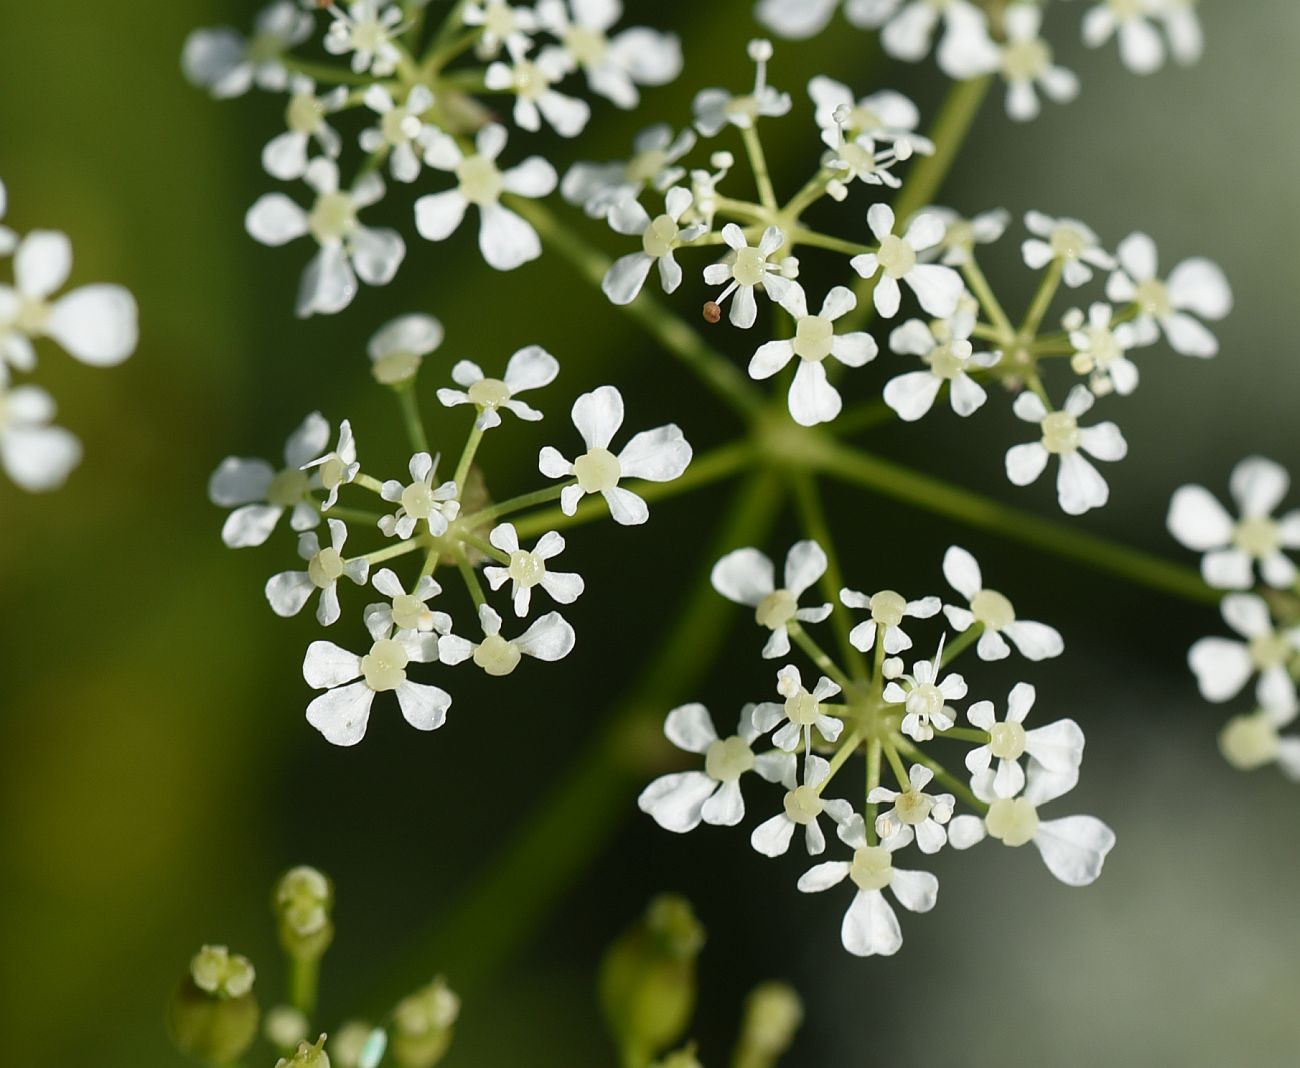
x=1183, y=27
x=715, y=109
x=37, y=456
x=1251, y=741
x=937, y=288
x=883, y=116
x=401, y=131
x=227, y=64
x=286, y=155
x=961, y=235
x=399, y=347
x=802, y=807
x=600, y=187
x=289, y=591
x=944, y=346
x=747, y=577
x=660, y=238
x=550, y=638
x=529, y=368
x=994, y=613
x=1133, y=21
x=1026, y=62
x=528, y=569
x=368, y=29
x=908, y=30
x=1056, y=747
x=1101, y=347
x=1223, y=667
x=536, y=98
x=749, y=269
x=888, y=610
x=504, y=26
x=915, y=811
x=420, y=501
x=1067, y=240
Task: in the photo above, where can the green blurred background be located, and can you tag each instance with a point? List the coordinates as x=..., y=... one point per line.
x=155, y=769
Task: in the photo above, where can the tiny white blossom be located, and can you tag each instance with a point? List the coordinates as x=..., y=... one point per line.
x=924, y=695
x=961, y=235
x=1056, y=747
x=747, y=576
x=1101, y=347
x=368, y=30
x=1233, y=547
x=399, y=347
x=1223, y=667
x=536, y=98
x=286, y=155
x=888, y=610
x=660, y=238
x=528, y=569
x=600, y=187
x=406, y=611
x=550, y=638
x=857, y=159
x=994, y=613
x=504, y=25
x=1026, y=61
x=1079, y=485
x=227, y=64
x=679, y=801
x=1067, y=240
x=337, y=468
x=749, y=269
x=944, y=345
x=937, y=288
x=419, y=501
x=658, y=455
x=883, y=116
x=529, y=368
x=715, y=109
x=36, y=455
x=802, y=807
x=402, y=131
x=799, y=713
x=289, y=591
x=924, y=815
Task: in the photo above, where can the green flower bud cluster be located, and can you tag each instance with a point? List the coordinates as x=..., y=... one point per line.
x=423, y=1025
x=213, y=1014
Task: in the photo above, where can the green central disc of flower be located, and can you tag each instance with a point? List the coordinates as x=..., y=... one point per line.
x=873, y=866
x=585, y=45
x=305, y=114
x=776, y=609
x=1153, y=298
x=480, y=181
x=368, y=35
x=861, y=119
x=803, y=804
x=859, y=157
x=1068, y=242
x=496, y=656
x=750, y=267
x=896, y=256
x=924, y=700
x=1102, y=346
x=1023, y=61
x=992, y=609
x=325, y=568
x=1258, y=535
x=1007, y=740
x=396, y=125
x=288, y=488
x=803, y=708
x=660, y=236
x=597, y=471
x=728, y=759
x=644, y=166
x=1249, y=742
x=913, y=807
x=489, y=392
x=530, y=82
x=945, y=362
x=500, y=20
x=813, y=338
x=418, y=500
x=527, y=569
x=1270, y=651
x=1060, y=433
x=888, y=608
x=332, y=472
x=1013, y=822
x=384, y=667
x=409, y=612
x=396, y=367
x=332, y=218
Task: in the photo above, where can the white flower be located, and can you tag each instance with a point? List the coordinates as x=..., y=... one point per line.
x=367, y=29
x=533, y=83
x=658, y=455
x=529, y=368
x=994, y=613
x=1223, y=667
x=506, y=240
x=348, y=250
x=1026, y=61
x=1056, y=747
x=289, y=591
x=260, y=495
x=1140, y=45
x=398, y=348
x=285, y=156
x=749, y=269
x=888, y=610
x=796, y=19
x=419, y=501
x=802, y=807
x=1067, y=240
x=812, y=398
x=678, y=802
x=616, y=65
x=1252, y=741
x=37, y=456
x=1073, y=848
x=337, y=468
x=909, y=27
x=715, y=109
x=549, y=639
x=527, y=569
x=883, y=116
x=97, y=324
x=342, y=713
x=406, y=611
x=870, y=926
x=503, y=25
x=961, y=235
x=944, y=346
x=660, y=238
x=746, y=576
x=800, y=712
x=924, y=695
x=401, y=131
x=1183, y=28
x=856, y=159
x=914, y=810
x=937, y=288
x=600, y=187
x=227, y=64
x=1079, y=485
x=1201, y=523
x=1194, y=286
x=1101, y=347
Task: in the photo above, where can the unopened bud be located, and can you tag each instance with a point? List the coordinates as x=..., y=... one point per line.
x=712, y=312
x=285, y=1027
x=760, y=50
x=773, y=1013
x=303, y=900
x=307, y=1056
x=216, y=1028
x=423, y=1025
x=217, y=971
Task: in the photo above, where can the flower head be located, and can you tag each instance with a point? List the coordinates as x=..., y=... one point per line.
x=286, y=155
x=937, y=288
x=289, y=591
x=799, y=713
x=888, y=610
x=550, y=638
x=802, y=807
x=961, y=234
x=914, y=810
x=944, y=346
x=1101, y=348
x=1026, y=63
x=994, y=614
x=227, y=64
x=529, y=368
x=600, y=187
x=924, y=695
x=337, y=468
x=36, y=455
x=398, y=349
x=419, y=501
x=368, y=30
x=1223, y=667
x=747, y=577
x=528, y=569
x=403, y=610
x=1056, y=747
x=660, y=237
x=532, y=81
x=749, y=269
x=1068, y=240
x=401, y=131
x=715, y=109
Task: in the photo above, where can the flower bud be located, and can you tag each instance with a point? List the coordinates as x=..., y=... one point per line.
x=213, y=1014
x=348, y=1043
x=308, y=1056
x=303, y=900
x=647, y=979
x=773, y=1013
x=423, y=1025
x=285, y=1027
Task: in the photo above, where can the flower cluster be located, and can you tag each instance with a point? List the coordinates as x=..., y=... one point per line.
x=962, y=340
x=95, y=324
x=446, y=519
x=414, y=97
x=971, y=38
x=1245, y=553
x=875, y=707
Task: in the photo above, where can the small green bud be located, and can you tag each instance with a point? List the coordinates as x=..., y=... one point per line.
x=773, y=1013
x=303, y=900
x=216, y=971
x=647, y=979
x=308, y=1056
x=423, y=1025
x=285, y=1027
x=213, y=1028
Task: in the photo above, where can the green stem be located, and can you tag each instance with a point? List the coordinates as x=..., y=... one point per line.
x=842, y=754
x=873, y=780
x=354, y=514
x=900, y=772
x=470, y=576
x=392, y=552
x=863, y=417
x=514, y=504
x=802, y=236
x=813, y=517
x=323, y=72
x=467, y=457
x=979, y=285
x=941, y=773
x=961, y=643
x=965, y=734
x=304, y=982
x=819, y=655
x=758, y=161
x=485, y=547
x=807, y=196
x=411, y=417
x=1042, y=299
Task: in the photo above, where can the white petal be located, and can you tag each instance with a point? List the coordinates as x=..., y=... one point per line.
x=598, y=416
x=1200, y=286
x=1258, y=486
x=805, y=563
x=823, y=876
x=1221, y=667
x=341, y=715
x=916, y=890
x=726, y=807
x=42, y=263
x=870, y=926
x=690, y=727
x=423, y=707
x=675, y=801
x=659, y=455
x=1198, y=520
x=1035, y=641
x=275, y=220
x=506, y=240
x=327, y=665
x=251, y=525
x=912, y=395
x=1079, y=485
x=1074, y=848
x=550, y=638
x=437, y=215
x=745, y=576
x=288, y=592
x=772, y=836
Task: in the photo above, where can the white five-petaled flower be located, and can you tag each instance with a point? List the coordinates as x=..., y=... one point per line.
x=96, y=324
x=1133, y=21
x=802, y=807
x=883, y=116
x=289, y=591
x=749, y=269
x=908, y=30
x=348, y=249
x=368, y=29
x=1079, y=485
x=961, y=235
x=399, y=347
x=888, y=610
x=402, y=131
x=342, y=713
x=799, y=713
x=1073, y=848
x=715, y=109
x=37, y=456
x=599, y=187
x=660, y=237
x=533, y=82
x=870, y=926
x=615, y=65
x=1056, y=747
x=937, y=288
x=1233, y=547
x=260, y=495
x=924, y=695
x=1070, y=241
x=420, y=501
x=550, y=638
x=746, y=576
x=337, y=468
x=1101, y=347
x=406, y=611
x=944, y=345
x=994, y=613
x=527, y=569
x=812, y=398
x=679, y=801
x=1223, y=666
x=286, y=155
x=924, y=815
x=1026, y=61
x=658, y=455
x=504, y=25
x=1196, y=287
x=227, y=64
x=529, y=368
x=506, y=240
